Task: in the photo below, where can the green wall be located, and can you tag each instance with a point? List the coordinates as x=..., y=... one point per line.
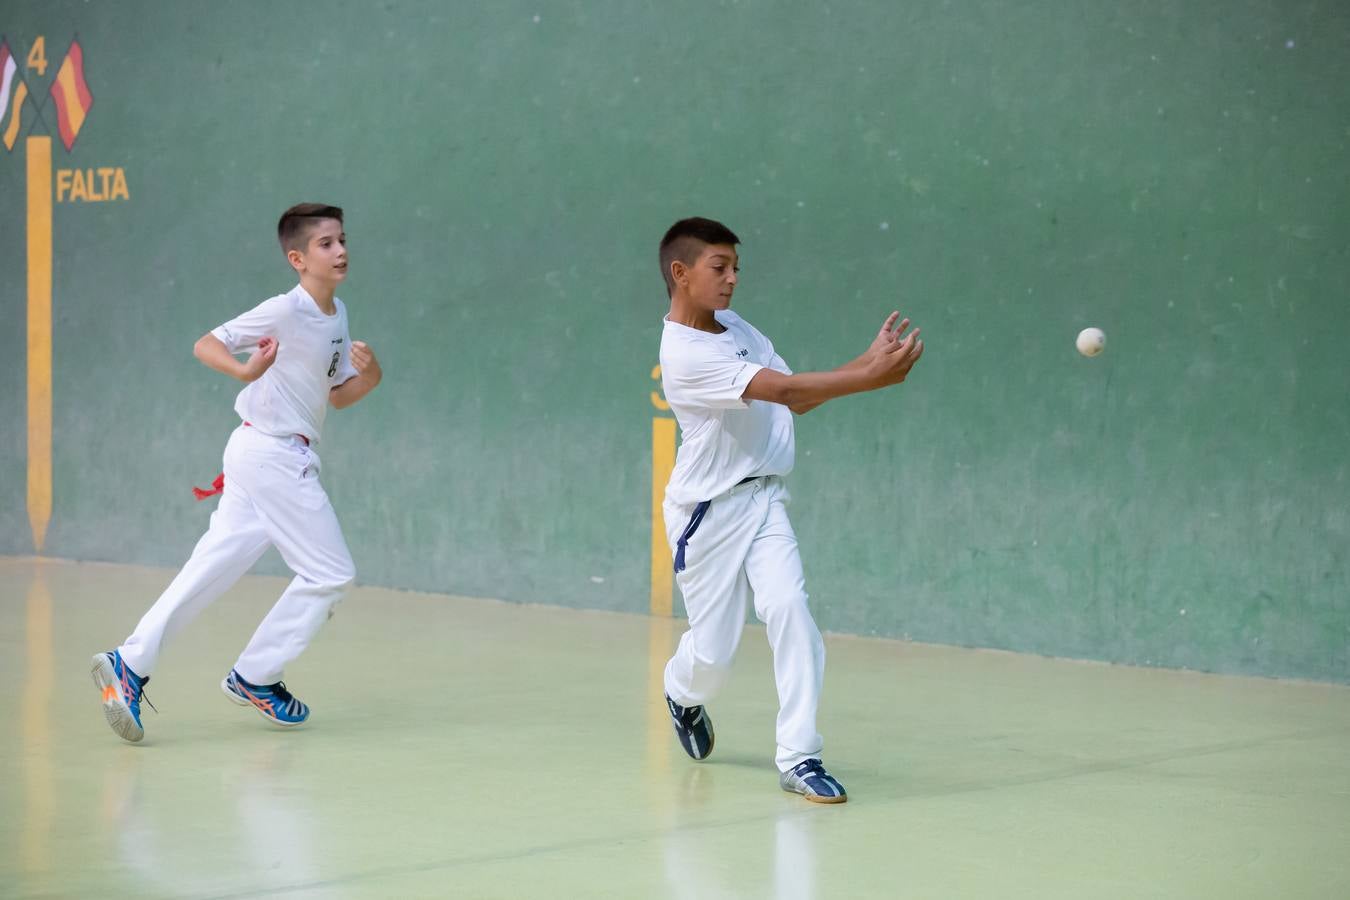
x=1004, y=173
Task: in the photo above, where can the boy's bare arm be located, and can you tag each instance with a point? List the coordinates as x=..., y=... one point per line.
x=886, y=362
x=368, y=375
x=213, y=353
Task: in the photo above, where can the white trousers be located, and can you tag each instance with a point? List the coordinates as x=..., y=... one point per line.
x=745, y=546
x=272, y=497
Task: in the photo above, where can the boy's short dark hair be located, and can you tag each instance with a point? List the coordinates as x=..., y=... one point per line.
x=686, y=239
x=293, y=229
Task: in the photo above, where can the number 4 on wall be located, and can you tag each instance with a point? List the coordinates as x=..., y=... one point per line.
x=37, y=56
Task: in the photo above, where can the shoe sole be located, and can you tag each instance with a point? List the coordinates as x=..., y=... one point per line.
x=115, y=709
x=817, y=798
x=240, y=701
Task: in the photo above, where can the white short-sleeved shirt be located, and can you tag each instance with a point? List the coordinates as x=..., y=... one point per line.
x=723, y=439
x=313, y=356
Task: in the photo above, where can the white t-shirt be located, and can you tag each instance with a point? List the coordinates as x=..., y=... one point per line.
x=313, y=356
x=723, y=439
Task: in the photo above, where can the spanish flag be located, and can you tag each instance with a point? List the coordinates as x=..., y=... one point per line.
x=13, y=93
x=71, y=94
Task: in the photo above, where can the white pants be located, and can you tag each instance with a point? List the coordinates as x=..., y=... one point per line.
x=272, y=497
x=745, y=545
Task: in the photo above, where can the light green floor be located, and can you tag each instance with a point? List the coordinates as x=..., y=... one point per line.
x=468, y=748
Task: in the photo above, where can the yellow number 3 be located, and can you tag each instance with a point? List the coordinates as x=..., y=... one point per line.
x=37, y=56
x=657, y=400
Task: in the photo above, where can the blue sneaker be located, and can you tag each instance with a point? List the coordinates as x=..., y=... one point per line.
x=810, y=779
x=693, y=727
x=121, y=691
x=272, y=701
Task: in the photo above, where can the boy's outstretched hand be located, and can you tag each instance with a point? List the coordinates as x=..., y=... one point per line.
x=891, y=356
x=888, y=333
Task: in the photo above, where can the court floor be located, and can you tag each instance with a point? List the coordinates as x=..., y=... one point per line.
x=470, y=748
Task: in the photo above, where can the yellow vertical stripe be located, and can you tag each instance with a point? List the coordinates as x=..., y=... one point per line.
x=660, y=642
x=12, y=132
x=663, y=460
x=35, y=725
x=39, y=337
x=75, y=110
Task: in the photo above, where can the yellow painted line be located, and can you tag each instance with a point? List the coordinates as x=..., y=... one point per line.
x=39, y=337
x=663, y=460
x=35, y=726
x=660, y=735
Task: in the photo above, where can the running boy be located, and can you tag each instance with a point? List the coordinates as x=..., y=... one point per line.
x=725, y=505
x=300, y=359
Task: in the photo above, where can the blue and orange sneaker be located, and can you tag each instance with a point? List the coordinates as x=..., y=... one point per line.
x=121, y=691
x=272, y=701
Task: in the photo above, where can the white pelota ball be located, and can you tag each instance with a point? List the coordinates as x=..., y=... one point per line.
x=1091, y=341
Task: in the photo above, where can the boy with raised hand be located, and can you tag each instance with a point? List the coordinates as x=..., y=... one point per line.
x=726, y=504
x=300, y=360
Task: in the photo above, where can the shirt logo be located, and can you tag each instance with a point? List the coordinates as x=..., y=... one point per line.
x=742, y=353
x=336, y=341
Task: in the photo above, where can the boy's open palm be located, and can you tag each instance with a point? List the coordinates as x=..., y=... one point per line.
x=891, y=356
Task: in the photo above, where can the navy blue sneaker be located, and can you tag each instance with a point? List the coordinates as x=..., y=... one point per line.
x=810, y=779
x=693, y=727
x=272, y=701
x=121, y=691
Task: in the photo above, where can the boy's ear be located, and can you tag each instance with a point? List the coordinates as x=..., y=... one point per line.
x=296, y=259
x=678, y=270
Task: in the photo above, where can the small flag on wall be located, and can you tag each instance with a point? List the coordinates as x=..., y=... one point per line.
x=13, y=93
x=71, y=93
